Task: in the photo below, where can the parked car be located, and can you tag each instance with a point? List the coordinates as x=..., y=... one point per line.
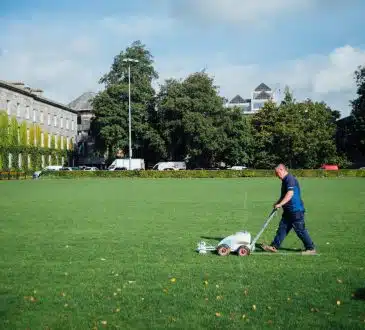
x=329, y=167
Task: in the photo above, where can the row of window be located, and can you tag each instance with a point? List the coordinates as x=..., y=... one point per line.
x=62, y=121
x=59, y=140
x=43, y=159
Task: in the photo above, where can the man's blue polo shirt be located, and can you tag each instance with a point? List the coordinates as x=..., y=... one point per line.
x=295, y=204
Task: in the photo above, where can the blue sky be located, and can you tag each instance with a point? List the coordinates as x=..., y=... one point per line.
x=64, y=47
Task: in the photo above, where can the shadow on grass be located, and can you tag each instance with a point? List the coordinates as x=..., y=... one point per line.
x=359, y=294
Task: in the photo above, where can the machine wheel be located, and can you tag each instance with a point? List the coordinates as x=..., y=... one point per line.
x=243, y=251
x=223, y=250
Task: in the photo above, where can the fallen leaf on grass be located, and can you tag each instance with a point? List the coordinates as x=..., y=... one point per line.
x=102, y=259
x=63, y=294
x=173, y=280
x=254, y=307
x=217, y=286
x=114, y=294
x=314, y=310
x=243, y=316
x=246, y=292
x=268, y=307
x=206, y=282
x=288, y=298
x=339, y=280
x=219, y=297
x=117, y=310
x=66, y=305
x=338, y=303
x=66, y=274
x=165, y=290
x=104, y=322
x=131, y=282
x=217, y=314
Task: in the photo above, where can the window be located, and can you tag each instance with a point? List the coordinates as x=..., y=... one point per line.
x=8, y=106
x=72, y=125
x=54, y=120
x=34, y=115
x=27, y=110
x=41, y=119
x=49, y=119
x=61, y=122
x=258, y=105
x=67, y=124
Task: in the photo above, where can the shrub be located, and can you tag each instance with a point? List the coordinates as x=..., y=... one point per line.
x=198, y=174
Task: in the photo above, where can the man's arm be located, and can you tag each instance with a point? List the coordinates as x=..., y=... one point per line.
x=288, y=196
x=289, y=185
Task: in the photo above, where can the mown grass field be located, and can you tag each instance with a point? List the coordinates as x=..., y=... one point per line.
x=119, y=254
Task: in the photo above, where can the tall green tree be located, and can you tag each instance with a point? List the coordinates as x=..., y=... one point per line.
x=191, y=119
x=110, y=126
x=356, y=136
x=238, y=144
x=302, y=134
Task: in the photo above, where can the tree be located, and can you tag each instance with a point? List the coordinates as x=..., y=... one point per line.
x=238, y=144
x=302, y=135
x=110, y=125
x=191, y=119
x=357, y=137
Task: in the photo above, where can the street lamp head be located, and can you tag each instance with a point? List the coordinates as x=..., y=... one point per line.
x=130, y=60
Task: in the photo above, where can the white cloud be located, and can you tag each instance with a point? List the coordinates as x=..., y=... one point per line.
x=136, y=26
x=68, y=60
x=328, y=78
x=237, y=11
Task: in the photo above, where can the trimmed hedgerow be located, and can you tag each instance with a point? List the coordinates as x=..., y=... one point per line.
x=197, y=174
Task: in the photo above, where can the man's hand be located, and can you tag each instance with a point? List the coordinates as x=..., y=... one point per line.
x=277, y=206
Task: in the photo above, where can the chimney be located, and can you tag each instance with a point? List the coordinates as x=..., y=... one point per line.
x=18, y=84
x=37, y=91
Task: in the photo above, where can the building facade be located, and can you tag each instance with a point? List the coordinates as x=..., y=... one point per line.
x=87, y=155
x=30, y=106
x=259, y=96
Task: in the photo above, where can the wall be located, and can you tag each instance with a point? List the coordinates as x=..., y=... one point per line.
x=50, y=116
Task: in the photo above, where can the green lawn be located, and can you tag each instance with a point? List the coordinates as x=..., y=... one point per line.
x=119, y=253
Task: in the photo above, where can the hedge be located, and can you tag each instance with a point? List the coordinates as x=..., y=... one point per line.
x=197, y=174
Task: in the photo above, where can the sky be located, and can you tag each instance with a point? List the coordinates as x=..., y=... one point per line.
x=312, y=46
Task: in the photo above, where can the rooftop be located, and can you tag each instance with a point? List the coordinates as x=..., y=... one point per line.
x=83, y=102
x=262, y=88
x=35, y=93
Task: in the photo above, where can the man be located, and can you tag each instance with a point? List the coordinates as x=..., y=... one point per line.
x=293, y=212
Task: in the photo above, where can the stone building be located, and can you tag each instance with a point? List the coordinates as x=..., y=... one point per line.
x=29, y=105
x=86, y=152
x=259, y=96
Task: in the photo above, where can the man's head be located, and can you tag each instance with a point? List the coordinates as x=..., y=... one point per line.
x=281, y=171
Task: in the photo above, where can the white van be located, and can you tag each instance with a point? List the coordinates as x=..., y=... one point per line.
x=123, y=164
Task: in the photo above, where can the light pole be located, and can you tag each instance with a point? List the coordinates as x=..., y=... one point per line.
x=129, y=61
